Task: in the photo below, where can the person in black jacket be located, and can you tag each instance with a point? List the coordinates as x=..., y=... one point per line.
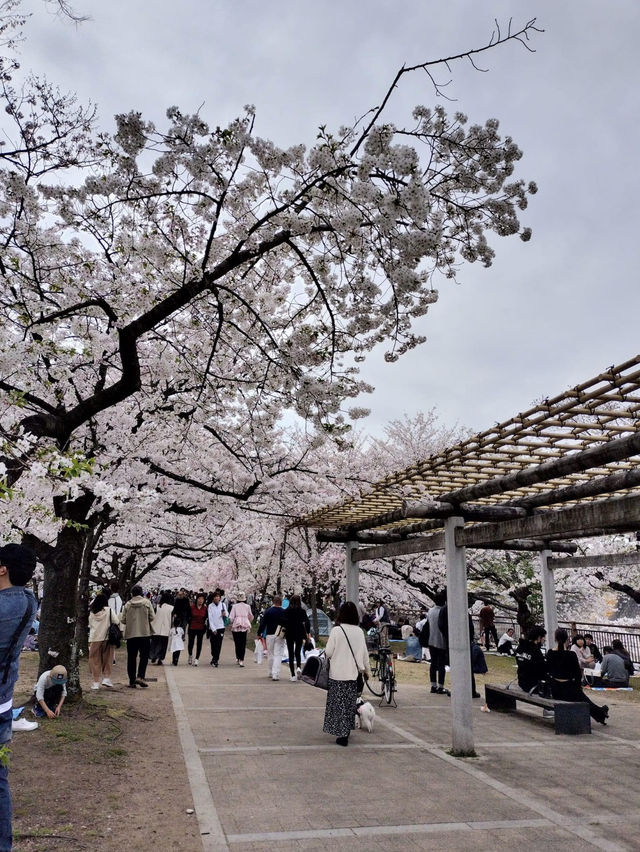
x=297, y=630
x=565, y=676
x=532, y=666
x=182, y=608
x=591, y=645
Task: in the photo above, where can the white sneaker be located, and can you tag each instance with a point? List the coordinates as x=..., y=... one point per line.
x=275, y=677
x=23, y=725
x=293, y=679
x=106, y=682
x=196, y=662
x=95, y=685
x=190, y=661
x=298, y=672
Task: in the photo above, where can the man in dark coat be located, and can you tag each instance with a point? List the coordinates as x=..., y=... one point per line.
x=532, y=666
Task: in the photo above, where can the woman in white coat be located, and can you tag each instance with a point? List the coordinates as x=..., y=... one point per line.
x=348, y=656
x=161, y=629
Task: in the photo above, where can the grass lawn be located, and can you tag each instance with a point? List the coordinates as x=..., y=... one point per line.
x=501, y=671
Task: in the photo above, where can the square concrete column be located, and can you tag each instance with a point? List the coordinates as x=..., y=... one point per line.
x=459, y=641
x=353, y=575
x=549, y=604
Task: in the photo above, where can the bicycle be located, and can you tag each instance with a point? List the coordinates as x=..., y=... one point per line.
x=382, y=668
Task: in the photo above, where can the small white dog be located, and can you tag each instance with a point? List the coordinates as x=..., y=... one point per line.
x=365, y=715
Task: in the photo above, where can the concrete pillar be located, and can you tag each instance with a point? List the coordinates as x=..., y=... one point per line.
x=549, y=605
x=459, y=641
x=353, y=575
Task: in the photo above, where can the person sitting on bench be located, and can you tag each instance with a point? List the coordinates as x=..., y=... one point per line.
x=612, y=670
x=532, y=666
x=566, y=676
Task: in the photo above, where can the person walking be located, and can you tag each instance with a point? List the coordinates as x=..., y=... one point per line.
x=216, y=616
x=270, y=622
x=17, y=610
x=182, y=608
x=241, y=618
x=161, y=628
x=137, y=616
x=115, y=605
x=100, y=652
x=176, y=640
x=297, y=630
x=348, y=656
x=197, y=628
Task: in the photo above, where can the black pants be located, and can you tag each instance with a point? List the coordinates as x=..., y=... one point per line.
x=137, y=645
x=568, y=691
x=491, y=629
x=193, y=635
x=294, y=647
x=240, y=641
x=438, y=662
x=158, y=648
x=175, y=657
x=216, y=644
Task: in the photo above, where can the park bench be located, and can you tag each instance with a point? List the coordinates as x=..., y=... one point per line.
x=570, y=717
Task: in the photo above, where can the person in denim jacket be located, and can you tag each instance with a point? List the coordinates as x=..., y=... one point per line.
x=17, y=606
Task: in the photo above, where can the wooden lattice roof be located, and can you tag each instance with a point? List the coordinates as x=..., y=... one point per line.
x=604, y=409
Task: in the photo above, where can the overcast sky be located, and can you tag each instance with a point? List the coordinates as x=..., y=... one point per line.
x=548, y=314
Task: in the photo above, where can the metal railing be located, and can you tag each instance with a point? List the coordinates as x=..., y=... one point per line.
x=603, y=634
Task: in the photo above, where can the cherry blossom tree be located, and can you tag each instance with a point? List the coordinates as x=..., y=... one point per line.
x=202, y=276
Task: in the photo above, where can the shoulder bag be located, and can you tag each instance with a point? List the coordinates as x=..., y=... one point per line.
x=114, y=634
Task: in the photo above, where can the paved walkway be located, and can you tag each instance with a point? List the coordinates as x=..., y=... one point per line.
x=264, y=775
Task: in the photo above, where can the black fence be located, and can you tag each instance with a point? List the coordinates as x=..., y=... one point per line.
x=603, y=634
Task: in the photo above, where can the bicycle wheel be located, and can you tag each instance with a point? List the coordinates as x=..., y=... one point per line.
x=389, y=684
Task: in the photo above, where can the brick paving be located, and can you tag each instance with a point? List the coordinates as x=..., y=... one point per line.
x=265, y=776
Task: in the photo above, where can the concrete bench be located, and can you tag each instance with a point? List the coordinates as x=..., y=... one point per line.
x=570, y=717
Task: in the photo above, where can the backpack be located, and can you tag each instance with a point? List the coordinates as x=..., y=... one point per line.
x=114, y=634
x=423, y=636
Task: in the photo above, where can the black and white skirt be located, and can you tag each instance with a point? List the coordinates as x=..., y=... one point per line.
x=340, y=712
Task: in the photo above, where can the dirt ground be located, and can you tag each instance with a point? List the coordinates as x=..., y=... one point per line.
x=108, y=774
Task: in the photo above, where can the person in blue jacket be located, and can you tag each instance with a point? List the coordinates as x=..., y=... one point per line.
x=17, y=609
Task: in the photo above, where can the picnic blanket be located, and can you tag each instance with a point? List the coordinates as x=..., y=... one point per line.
x=610, y=688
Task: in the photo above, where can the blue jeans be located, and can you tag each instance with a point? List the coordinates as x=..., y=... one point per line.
x=5, y=796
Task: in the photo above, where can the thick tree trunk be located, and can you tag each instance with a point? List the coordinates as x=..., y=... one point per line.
x=62, y=565
x=82, y=601
x=524, y=616
x=56, y=638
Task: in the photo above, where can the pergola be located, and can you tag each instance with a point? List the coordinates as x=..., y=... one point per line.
x=564, y=469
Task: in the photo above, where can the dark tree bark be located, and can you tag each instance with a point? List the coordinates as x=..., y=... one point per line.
x=524, y=616
x=625, y=588
x=62, y=564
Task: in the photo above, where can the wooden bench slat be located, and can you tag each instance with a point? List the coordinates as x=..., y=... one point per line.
x=570, y=717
